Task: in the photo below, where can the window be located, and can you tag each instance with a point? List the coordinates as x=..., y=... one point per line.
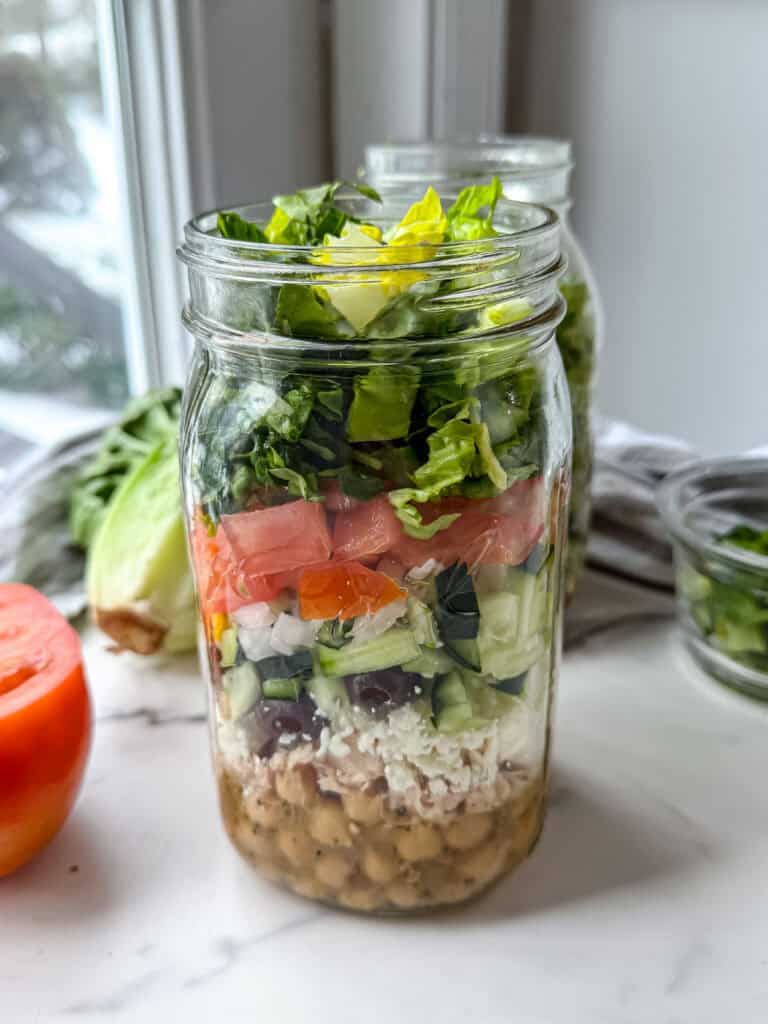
x=61, y=266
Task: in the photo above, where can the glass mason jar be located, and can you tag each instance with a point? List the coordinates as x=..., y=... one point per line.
x=533, y=170
x=381, y=661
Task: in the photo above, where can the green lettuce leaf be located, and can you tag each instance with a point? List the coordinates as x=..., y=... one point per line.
x=146, y=422
x=464, y=220
x=302, y=312
x=232, y=225
x=381, y=404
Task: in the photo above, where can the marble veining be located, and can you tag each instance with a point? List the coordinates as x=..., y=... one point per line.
x=644, y=902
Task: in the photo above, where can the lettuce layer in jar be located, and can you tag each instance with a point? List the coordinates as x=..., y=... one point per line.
x=531, y=169
x=376, y=520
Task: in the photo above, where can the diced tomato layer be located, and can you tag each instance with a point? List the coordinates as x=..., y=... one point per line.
x=255, y=555
x=280, y=538
x=345, y=590
x=492, y=531
x=370, y=528
x=223, y=583
x=335, y=499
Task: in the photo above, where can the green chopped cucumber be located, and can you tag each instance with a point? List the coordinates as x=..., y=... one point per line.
x=228, y=648
x=396, y=646
x=285, y=666
x=243, y=688
x=499, y=615
x=451, y=704
x=512, y=686
x=282, y=689
x=422, y=623
x=507, y=660
x=464, y=652
x=330, y=695
x=430, y=663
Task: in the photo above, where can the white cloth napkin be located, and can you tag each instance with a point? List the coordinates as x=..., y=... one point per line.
x=627, y=536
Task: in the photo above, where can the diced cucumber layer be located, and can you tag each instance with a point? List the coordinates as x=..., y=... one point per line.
x=228, y=647
x=282, y=689
x=452, y=706
x=396, y=646
x=243, y=688
x=464, y=652
x=430, y=663
x=330, y=695
x=423, y=624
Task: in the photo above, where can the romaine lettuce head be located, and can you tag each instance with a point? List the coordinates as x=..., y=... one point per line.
x=139, y=581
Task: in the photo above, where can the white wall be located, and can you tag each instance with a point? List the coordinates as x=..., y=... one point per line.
x=256, y=76
x=667, y=102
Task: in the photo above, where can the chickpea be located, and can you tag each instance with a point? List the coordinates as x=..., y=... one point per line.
x=453, y=890
x=256, y=844
x=333, y=870
x=419, y=842
x=307, y=887
x=380, y=865
x=404, y=895
x=297, y=786
x=468, y=831
x=526, y=828
x=365, y=808
x=328, y=824
x=265, y=813
x=485, y=863
x=359, y=898
x=296, y=846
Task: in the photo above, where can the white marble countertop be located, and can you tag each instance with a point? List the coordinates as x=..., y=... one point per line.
x=646, y=901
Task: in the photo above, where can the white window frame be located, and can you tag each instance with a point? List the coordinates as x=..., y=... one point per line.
x=142, y=81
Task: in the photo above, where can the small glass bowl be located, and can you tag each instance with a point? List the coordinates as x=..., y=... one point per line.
x=722, y=589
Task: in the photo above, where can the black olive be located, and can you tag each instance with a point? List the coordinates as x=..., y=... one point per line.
x=380, y=692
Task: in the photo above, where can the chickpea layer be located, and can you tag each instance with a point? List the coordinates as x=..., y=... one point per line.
x=353, y=852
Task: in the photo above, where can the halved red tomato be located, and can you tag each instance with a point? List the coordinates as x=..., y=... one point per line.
x=45, y=722
x=343, y=590
x=277, y=539
x=491, y=531
x=370, y=528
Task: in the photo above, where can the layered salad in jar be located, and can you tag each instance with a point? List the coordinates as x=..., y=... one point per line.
x=378, y=564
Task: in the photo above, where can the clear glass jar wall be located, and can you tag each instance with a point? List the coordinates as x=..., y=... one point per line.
x=533, y=170
x=381, y=663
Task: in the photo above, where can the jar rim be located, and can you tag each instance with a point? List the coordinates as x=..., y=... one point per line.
x=201, y=247
x=526, y=155
x=672, y=503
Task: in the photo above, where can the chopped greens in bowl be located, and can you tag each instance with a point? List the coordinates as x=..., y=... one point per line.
x=717, y=513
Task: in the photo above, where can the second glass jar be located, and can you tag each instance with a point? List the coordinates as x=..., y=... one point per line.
x=533, y=170
x=381, y=663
